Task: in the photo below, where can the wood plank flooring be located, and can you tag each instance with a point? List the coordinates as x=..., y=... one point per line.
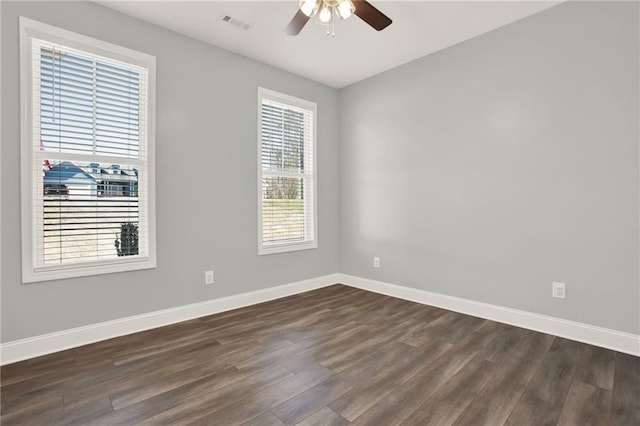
x=332, y=356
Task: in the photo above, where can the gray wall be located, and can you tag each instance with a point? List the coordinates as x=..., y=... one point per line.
x=492, y=168
x=484, y=171
x=206, y=179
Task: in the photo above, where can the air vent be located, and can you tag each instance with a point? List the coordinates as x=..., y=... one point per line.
x=236, y=23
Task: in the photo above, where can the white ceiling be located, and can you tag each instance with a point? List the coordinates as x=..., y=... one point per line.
x=356, y=52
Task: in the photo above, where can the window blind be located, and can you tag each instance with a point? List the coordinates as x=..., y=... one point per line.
x=287, y=175
x=89, y=157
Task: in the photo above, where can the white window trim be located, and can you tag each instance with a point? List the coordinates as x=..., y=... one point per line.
x=289, y=246
x=30, y=29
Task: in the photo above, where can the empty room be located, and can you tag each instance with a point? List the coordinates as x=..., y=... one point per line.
x=320, y=212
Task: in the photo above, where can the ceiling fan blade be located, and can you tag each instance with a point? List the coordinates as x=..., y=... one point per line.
x=371, y=15
x=298, y=21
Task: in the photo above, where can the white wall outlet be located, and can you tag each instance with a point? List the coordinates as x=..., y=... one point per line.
x=376, y=262
x=559, y=290
x=208, y=277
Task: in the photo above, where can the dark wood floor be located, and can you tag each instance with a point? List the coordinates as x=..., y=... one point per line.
x=333, y=356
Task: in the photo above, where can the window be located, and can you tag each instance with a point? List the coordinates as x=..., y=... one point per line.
x=286, y=173
x=87, y=155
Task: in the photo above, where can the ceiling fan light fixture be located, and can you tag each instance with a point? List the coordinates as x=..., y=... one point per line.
x=309, y=7
x=345, y=8
x=325, y=15
x=323, y=11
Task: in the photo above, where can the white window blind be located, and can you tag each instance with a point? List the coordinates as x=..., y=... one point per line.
x=287, y=211
x=89, y=162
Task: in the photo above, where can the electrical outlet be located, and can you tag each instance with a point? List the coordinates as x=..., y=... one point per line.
x=559, y=290
x=208, y=277
x=376, y=262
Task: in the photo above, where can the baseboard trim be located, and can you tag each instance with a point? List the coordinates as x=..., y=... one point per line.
x=593, y=335
x=32, y=347
x=22, y=349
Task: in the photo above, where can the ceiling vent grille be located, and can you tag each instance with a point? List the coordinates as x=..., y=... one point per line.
x=236, y=23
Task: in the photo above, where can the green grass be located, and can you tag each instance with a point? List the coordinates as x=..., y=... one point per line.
x=292, y=205
x=282, y=219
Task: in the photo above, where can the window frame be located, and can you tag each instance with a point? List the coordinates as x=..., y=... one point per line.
x=29, y=30
x=307, y=243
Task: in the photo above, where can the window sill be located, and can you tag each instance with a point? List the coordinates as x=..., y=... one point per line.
x=284, y=248
x=86, y=269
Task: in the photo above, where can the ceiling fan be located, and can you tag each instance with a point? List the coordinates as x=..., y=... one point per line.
x=324, y=10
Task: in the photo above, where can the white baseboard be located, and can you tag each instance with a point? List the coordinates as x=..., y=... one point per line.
x=593, y=335
x=22, y=349
x=19, y=350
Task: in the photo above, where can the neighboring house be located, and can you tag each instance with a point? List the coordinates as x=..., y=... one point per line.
x=69, y=179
